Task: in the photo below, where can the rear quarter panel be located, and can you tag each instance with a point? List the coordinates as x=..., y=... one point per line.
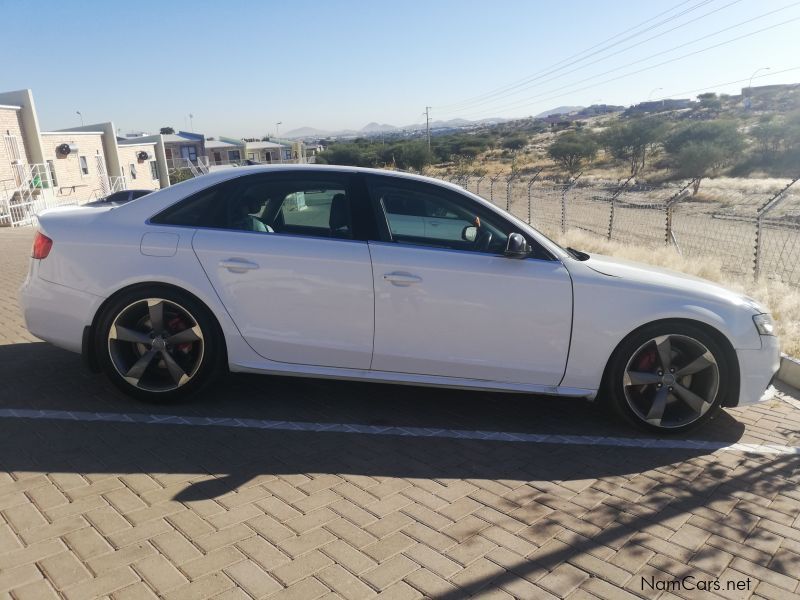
x=99, y=252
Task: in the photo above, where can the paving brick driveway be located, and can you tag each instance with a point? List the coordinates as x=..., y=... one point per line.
x=137, y=510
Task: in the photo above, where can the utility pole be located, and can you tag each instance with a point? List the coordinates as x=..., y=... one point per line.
x=428, y=125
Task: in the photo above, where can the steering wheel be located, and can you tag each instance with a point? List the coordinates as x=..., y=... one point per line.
x=483, y=239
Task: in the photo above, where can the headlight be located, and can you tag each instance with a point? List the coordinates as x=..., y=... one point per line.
x=764, y=324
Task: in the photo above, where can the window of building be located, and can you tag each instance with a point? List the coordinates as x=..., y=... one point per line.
x=189, y=152
x=153, y=169
x=234, y=155
x=251, y=155
x=12, y=147
x=51, y=169
x=132, y=169
x=84, y=165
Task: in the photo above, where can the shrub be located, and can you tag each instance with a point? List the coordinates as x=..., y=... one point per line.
x=572, y=150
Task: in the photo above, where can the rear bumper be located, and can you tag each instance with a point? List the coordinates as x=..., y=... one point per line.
x=757, y=370
x=56, y=313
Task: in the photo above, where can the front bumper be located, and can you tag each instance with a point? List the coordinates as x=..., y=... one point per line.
x=757, y=369
x=56, y=313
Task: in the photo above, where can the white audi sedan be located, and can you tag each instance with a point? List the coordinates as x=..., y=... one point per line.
x=381, y=276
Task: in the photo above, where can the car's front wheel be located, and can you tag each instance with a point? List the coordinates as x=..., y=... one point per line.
x=158, y=344
x=669, y=377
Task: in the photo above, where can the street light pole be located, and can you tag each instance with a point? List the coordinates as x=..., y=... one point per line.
x=750, y=83
x=77, y=112
x=191, y=122
x=653, y=91
x=748, y=100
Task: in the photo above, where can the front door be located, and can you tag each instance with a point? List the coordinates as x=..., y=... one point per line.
x=292, y=275
x=448, y=303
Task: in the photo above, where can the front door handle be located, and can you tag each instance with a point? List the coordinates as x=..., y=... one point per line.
x=400, y=278
x=237, y=265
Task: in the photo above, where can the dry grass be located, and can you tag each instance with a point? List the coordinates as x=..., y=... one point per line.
x=782, y=300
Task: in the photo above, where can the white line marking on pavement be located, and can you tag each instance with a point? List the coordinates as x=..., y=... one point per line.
x=463, y=434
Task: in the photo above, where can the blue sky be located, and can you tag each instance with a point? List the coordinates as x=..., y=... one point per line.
x=239, y=67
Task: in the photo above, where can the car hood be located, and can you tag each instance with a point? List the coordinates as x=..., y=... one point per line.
x=666, y=280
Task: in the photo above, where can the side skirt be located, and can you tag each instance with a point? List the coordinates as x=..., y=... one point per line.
x=413, y=379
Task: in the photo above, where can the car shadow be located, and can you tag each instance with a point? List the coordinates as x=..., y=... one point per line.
x=216, y=460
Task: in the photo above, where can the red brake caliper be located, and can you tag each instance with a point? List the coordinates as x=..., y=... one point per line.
x=176, y=324
x=647, y=362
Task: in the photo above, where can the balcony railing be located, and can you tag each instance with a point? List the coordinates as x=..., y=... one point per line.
x=30, y=192
x=187, y=163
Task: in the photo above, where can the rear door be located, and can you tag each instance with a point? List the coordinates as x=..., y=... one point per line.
x=282, y=252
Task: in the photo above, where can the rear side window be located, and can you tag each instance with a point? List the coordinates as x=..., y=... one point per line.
x=118, y=197
x=312, y=204
x=197, y=210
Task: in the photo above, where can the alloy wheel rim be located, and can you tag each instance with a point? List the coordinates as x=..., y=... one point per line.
x=156, y=345
x=671, y=381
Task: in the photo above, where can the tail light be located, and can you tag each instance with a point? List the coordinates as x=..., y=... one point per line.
x=41, y=246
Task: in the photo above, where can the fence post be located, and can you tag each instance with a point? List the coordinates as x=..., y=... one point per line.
x=668, y=206
x=757, y=253
x=762, y=211
x=564, y=192
x=614, y=197
x=509, y=181
x=492, y=181
x=530, y=185
x=478, y=185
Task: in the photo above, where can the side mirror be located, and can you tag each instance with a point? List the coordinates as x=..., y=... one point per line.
x=469, y=233
x=517, y=246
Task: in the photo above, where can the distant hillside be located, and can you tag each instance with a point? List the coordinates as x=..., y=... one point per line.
x=377, y=128
x=302, y=132
x=374, y=128
x=559, y=110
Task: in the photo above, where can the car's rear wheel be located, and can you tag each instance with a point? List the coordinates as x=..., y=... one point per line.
x=669, y=377
x=158, y=344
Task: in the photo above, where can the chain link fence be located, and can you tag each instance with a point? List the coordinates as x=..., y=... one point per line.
x=751, y=233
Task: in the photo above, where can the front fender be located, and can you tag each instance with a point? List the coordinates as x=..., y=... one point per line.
x=607, y=309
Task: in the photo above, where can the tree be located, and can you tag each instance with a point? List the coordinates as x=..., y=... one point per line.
x=516, y=142
x=769, y=133
x=633, y=141
x=408, y=155
x=166, y=131
x=346, y=154
x=710, y=101
x=702, y=149
x=571, y=150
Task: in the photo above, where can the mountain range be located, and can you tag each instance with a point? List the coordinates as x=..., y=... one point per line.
x=372, y=129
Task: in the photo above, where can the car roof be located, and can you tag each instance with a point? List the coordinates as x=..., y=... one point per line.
x=224, y=174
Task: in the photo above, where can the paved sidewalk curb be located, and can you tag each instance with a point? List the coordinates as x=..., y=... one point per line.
x=789, y=372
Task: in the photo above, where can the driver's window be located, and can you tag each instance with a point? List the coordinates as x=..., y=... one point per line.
x=421, y=214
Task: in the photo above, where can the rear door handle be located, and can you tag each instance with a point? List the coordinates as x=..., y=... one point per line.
x=400, y=278
x=237, y=265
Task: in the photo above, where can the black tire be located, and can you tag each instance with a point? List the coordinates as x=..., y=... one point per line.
x=201, y=359
x=641, y=399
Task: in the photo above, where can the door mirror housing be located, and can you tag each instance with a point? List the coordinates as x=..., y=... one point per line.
x=517, y=246
x=469, y=233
